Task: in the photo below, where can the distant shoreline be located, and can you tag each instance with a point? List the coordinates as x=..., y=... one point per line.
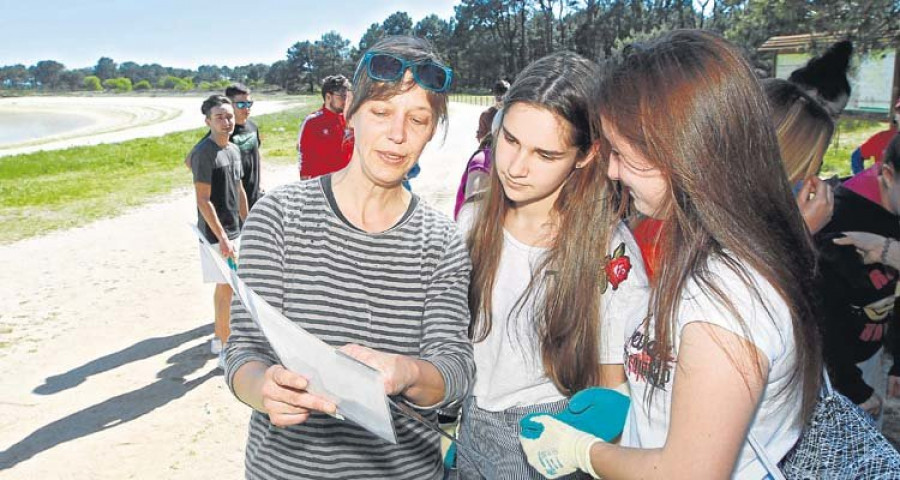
x=114, y=118
x=27, y=126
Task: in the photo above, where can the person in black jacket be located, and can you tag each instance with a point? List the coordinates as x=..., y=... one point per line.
x=858, y=295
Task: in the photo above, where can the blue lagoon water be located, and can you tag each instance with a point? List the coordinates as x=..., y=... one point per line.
x=17, y=127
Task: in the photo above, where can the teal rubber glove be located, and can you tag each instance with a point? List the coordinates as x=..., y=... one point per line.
x=598, y=411
x=560, y=449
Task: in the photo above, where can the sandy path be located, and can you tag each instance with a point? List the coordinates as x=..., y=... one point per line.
x=104, y=336
x=114, y=119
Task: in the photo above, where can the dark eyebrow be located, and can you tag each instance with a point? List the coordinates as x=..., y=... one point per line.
x=540, y=151
x=549, y=153
x=508, y=133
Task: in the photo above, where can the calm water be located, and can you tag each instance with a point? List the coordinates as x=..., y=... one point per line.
x=22, y=127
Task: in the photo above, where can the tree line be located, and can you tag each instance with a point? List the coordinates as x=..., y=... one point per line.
x=127, y=76
x=489, y=39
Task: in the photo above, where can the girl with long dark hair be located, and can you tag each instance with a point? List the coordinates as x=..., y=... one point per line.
x=548, y=272
x=729, y=347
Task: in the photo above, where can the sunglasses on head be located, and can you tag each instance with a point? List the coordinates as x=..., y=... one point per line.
x=386, y=67
x=246, y=104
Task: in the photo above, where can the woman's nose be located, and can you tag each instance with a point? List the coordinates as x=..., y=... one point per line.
x=397, y=133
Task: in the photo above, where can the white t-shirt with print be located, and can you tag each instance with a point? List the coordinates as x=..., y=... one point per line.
x=770, y=331
x=508, y=368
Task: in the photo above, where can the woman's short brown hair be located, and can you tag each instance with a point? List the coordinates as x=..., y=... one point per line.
x=412, y=49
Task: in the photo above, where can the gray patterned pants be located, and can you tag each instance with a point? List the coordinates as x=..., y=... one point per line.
x=492, y=450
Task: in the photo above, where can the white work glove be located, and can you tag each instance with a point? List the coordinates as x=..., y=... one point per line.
x=560, y=450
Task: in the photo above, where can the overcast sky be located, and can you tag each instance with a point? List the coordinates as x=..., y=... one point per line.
x=185, y=33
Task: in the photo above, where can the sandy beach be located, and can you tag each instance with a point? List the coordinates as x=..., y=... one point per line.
x=108, y=119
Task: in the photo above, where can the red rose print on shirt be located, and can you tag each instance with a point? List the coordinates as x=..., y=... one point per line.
x=617, y=267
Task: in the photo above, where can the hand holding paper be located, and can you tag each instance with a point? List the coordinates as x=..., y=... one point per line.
x=285, y=399
x=355, y=389
x=417, y=380
x=227, y=248
x=397, y=371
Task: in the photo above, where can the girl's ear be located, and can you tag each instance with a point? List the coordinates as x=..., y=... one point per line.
x=591, y=156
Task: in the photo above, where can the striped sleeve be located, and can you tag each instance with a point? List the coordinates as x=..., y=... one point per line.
x=445, y=342
x=260, y=266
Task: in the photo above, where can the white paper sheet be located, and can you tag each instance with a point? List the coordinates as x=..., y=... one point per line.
x=354, y=387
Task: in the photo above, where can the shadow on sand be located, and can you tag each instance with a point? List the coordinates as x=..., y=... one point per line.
x=139, y=351
x=123, y=408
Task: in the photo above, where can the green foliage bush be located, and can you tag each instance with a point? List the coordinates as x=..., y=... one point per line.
x=214, y=86
x=120, y=85
x=166, y=82
x=142, y=85
x=92, y=83
x=187, y=83
x=171, y=82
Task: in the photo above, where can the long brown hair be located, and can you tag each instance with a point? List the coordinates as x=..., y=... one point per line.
x=567, y=319
x=691, y=105
x=803, y=127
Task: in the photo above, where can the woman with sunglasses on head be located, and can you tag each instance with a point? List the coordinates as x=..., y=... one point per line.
x=360, y=262
x=548, y=297
x=729, y=348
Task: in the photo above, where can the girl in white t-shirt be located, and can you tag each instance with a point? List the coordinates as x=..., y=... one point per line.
x=551, y=283
x=729, y=347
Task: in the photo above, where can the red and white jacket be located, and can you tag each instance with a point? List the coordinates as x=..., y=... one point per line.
x=324, y=144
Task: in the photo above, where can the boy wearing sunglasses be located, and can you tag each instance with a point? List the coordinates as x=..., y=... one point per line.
x=246, y=137
x=323, y=144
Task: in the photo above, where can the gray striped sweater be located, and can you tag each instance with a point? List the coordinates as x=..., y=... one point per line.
x=402, y=291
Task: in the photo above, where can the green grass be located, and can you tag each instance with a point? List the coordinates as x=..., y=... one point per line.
x=45, y=191
x=851, y=132
x=279, y=133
